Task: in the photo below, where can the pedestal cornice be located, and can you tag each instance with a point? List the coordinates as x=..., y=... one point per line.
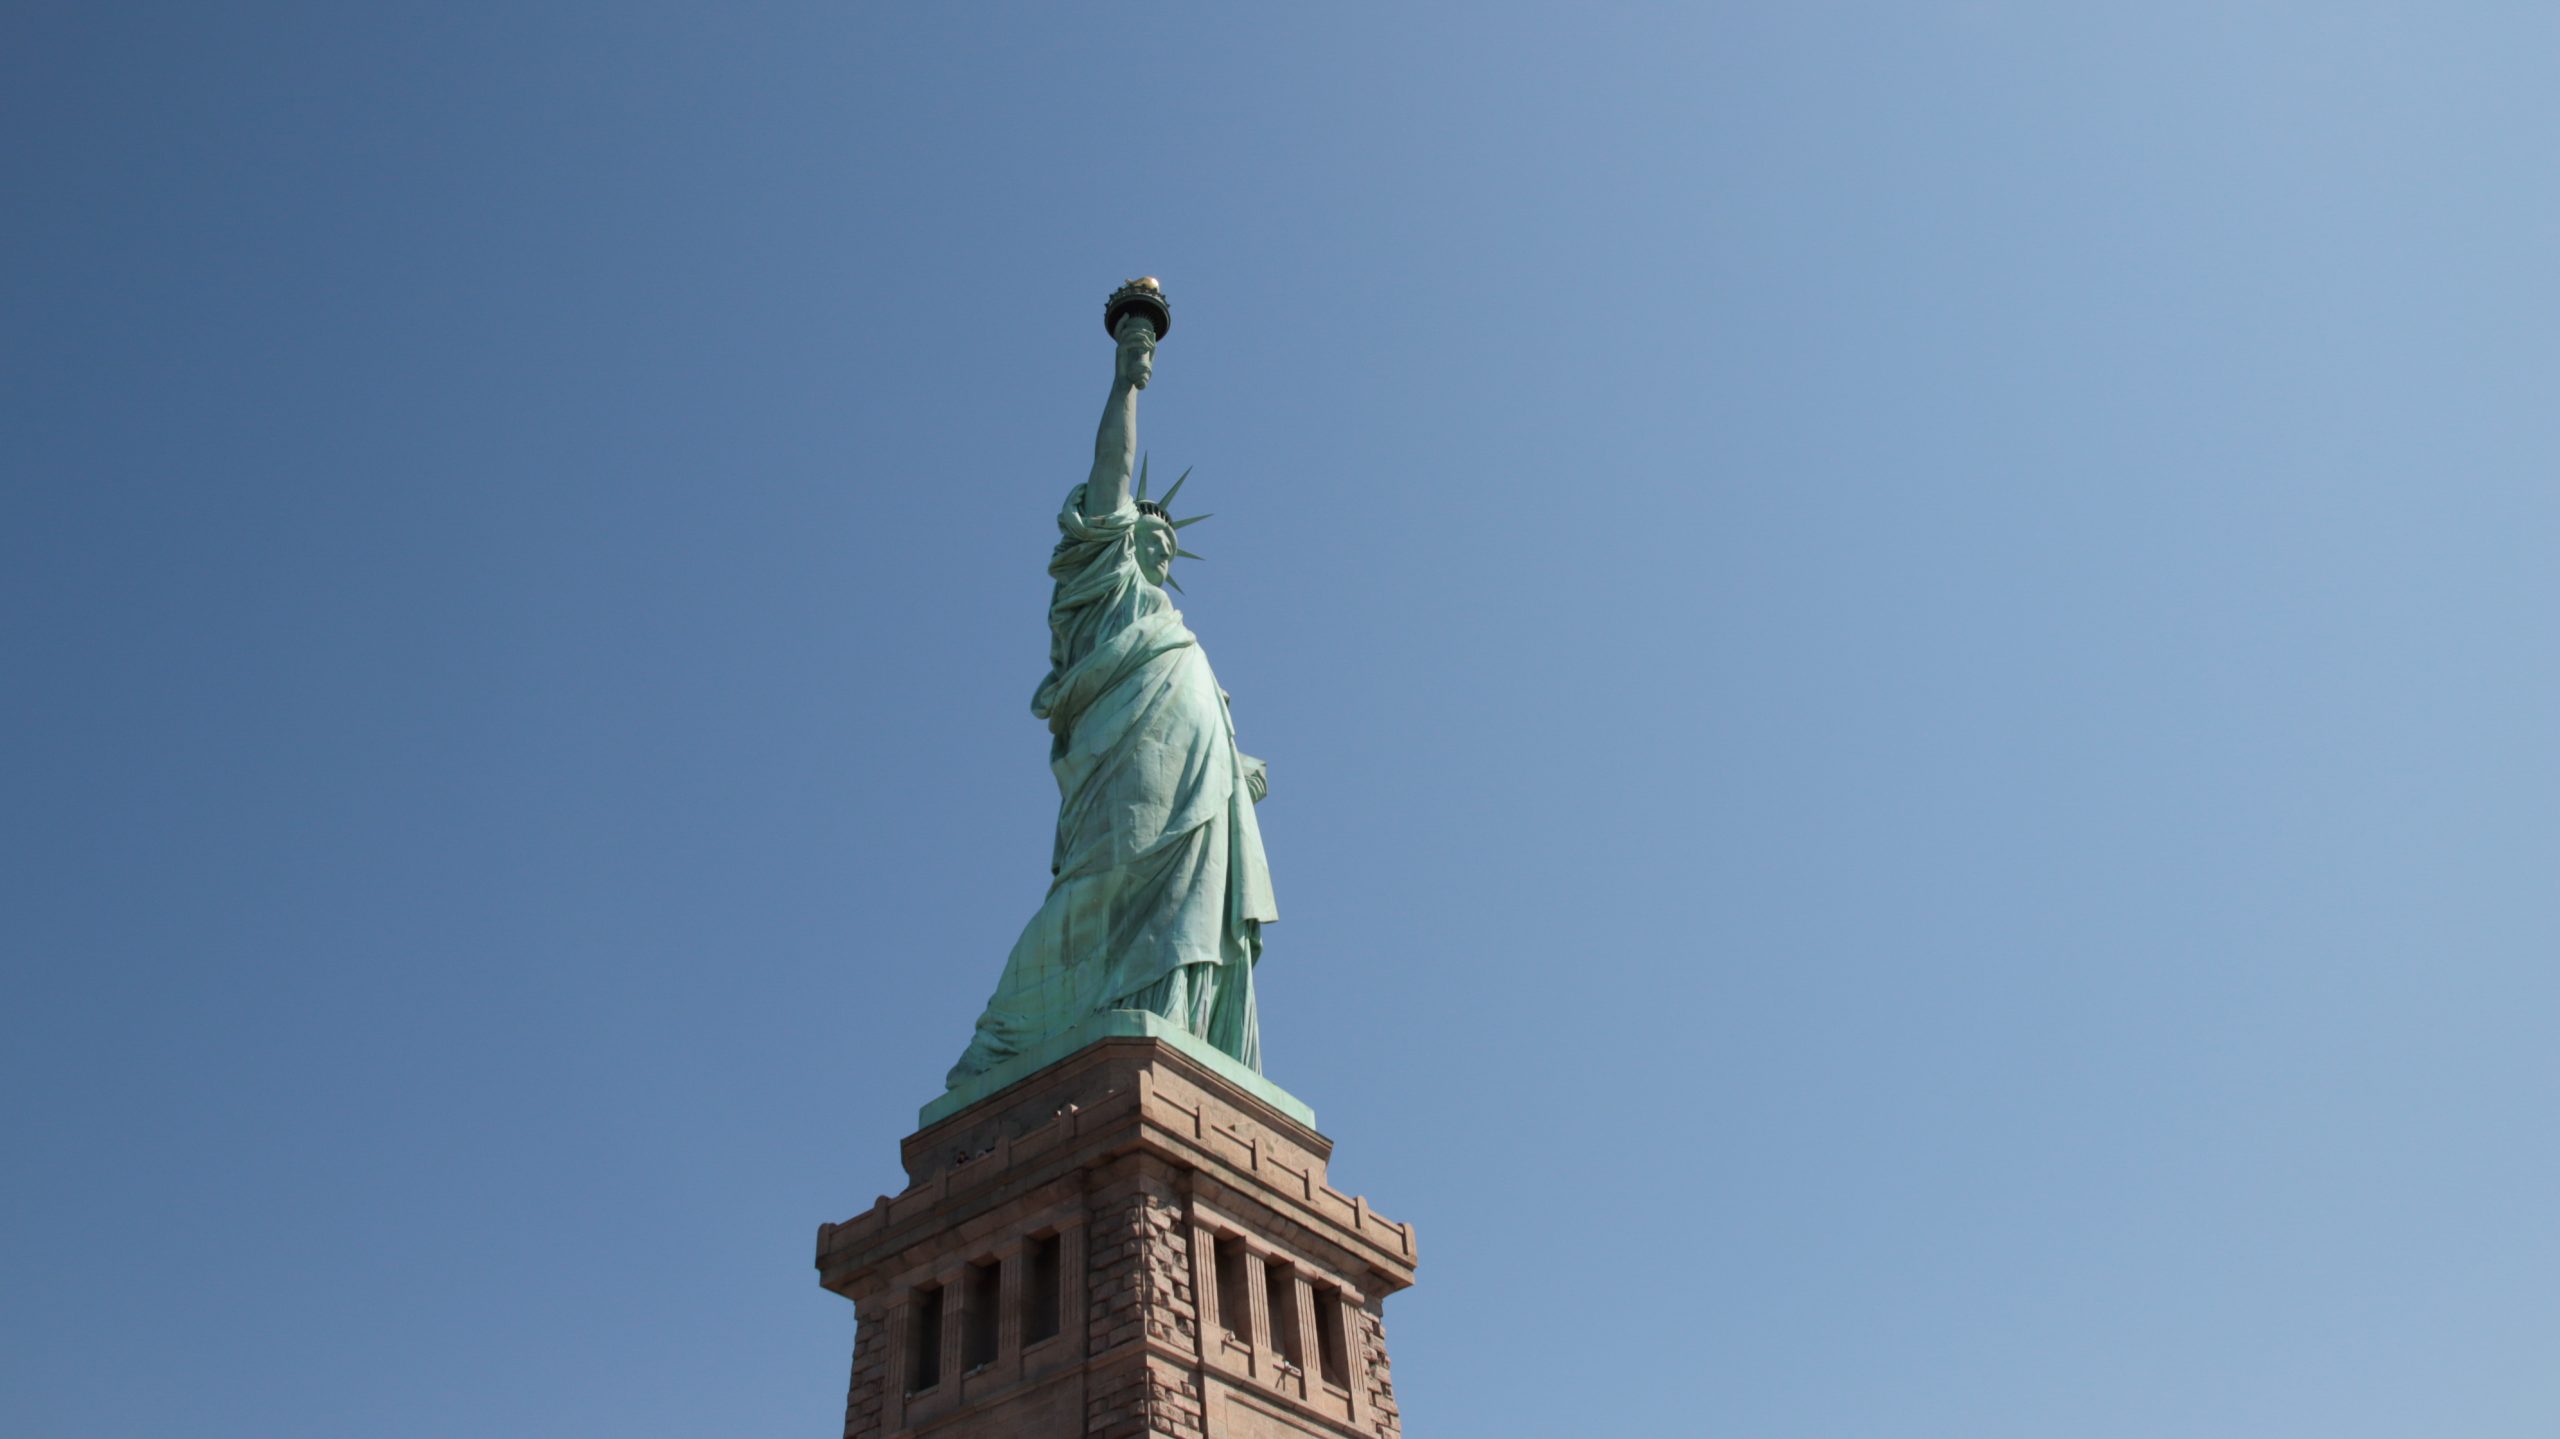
x=1114, y=1097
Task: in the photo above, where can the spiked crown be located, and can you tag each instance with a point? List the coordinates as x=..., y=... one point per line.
x=1158, y=510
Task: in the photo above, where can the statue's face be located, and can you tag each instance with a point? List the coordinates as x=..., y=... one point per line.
x=1155, y=551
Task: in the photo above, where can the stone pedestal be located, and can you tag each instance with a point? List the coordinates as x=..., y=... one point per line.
x=1125, y=1243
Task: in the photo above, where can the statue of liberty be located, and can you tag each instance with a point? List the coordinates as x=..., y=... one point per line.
x=1158, y=889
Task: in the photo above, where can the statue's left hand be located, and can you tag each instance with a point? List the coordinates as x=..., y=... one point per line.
x=1257, y=777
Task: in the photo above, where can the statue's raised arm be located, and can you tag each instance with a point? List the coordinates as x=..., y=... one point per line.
x=1138, y=317
x=1115, y=443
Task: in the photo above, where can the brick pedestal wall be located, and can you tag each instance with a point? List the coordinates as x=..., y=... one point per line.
x=1121, y=1245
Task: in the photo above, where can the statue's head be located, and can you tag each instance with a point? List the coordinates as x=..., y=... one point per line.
x=1159, y=538
x=1156, y=548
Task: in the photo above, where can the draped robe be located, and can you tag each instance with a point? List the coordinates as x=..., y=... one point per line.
x=1158, y=888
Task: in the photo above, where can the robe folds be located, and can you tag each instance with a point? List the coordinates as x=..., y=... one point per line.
x=1158, y=886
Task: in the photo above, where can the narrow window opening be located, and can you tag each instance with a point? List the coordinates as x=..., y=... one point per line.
x=1280, y=1281
x=1040, y=1293
x=1234, y=1313
x=1332, y=1354
x=924, y=1339
x=978, y=1321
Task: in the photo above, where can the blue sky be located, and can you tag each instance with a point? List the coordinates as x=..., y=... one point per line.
x=1908, y=655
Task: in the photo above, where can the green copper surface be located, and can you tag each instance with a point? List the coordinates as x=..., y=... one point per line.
x=1158, y=887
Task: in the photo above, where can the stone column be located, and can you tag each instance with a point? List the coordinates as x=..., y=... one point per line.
x=1310, y=1355
x=1204, y=1287
x=897, y=1320
x=1257, y=1295
x=1009, y=1309
x=1346, y=1310
x=955, y=1333
x=1071, y=1295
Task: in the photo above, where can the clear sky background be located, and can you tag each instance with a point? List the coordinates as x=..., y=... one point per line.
x=1910, y=655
